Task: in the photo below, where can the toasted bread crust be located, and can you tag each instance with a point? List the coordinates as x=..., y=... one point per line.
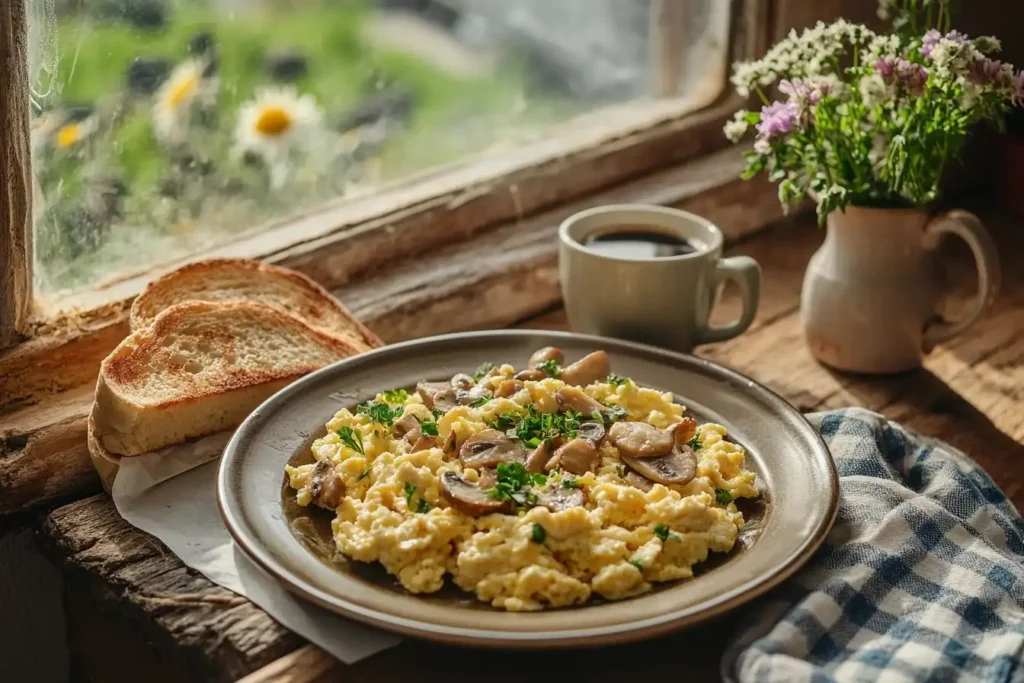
x=127, y=425
x=319, y=309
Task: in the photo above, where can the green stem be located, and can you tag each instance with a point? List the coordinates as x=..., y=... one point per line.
x=760, y=93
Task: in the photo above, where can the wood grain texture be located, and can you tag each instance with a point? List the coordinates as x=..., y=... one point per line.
x=16, y=185
x=490, y=280
x=969, y=393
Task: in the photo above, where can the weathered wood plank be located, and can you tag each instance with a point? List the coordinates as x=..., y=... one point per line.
x=207, y=630
x=16, y=184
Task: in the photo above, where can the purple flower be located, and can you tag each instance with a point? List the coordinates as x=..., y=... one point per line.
x=887, y=67
x=1018, y=88
x=958, y=37
x=914, y=76
x=929, y=41
x=983, y=71
x=778, y=118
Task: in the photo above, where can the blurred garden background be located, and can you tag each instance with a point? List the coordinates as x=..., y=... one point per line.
x=163, y=126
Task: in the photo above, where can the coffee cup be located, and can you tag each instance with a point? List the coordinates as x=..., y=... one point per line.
x=650, y=274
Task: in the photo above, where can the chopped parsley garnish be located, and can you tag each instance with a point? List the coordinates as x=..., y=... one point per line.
x=422, y=505
x=536, y=427
x=428, y=427
x=621, y=469
x=514, y=483
x=570, y=483
x=395, y=395
x=636, y=563
x=661, y=531
x=539, y=533
x=550, y=368
x=381, y=413
x=353, y=438
x=438, y=414
x=723, y=497
x=480, y=401
x=695, y=441
x=617, y=380
x=614, y=414
x=482, y=371
x=364, y=475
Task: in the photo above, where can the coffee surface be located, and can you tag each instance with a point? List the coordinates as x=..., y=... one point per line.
x=633, y=243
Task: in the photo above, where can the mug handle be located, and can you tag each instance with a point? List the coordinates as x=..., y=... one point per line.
x=970, y=229
x=746, y=273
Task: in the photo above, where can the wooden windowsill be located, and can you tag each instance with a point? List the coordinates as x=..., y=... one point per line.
x=489, y=280
x=967, y=394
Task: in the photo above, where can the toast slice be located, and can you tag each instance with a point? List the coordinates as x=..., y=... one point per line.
x=200, y=368
x=230, y=280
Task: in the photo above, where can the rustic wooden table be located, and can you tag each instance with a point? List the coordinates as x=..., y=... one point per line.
x=136, y=613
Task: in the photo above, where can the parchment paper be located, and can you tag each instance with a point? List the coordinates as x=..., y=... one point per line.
x=171, y=495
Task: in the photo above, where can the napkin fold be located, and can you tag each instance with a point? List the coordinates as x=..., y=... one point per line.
x=172, y=495
x=920, y=579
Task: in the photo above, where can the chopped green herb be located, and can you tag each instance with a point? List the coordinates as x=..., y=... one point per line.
x=636, y=563
x=695, y=441
x=570, y=483
x=428, y=427
x=597, y=415
x=376, y=433
x=438, y=414
x=364, y=475
x=614, y=414
x=539, y=533
x=480, y=401
x=423, y=506
x=410, y=489
x=550, y=368
x=482, y=371
x=514, y=483
x=353, y=438
x=661, y=531
x=535, y=426
x=723, y=497
x=621, y=469
x=395, y=395
x=381, y=413
x=617, y=380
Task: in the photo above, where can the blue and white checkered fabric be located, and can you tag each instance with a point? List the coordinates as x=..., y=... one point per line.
x=921, y=579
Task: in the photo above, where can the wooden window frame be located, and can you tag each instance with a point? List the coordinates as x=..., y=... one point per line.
x=653, y=151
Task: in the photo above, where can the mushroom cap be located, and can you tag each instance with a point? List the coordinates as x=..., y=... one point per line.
x=587, y=370
x=437, y=395
x=640, y=440
x=558, y=499
x=489, y=448
x=683, y=431
x=531, y=375
x=574, y=398
x=591, y=431
x=539, y=457
x=545, y=354
x=678, y=467
x=462, y=381
x=326, y=485
x=577, y=456
x=469, y=499
x=637, y=480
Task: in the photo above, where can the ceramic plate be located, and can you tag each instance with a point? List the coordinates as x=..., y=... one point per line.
x=794, y=472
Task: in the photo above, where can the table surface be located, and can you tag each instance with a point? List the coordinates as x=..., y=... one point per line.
x=136, y=613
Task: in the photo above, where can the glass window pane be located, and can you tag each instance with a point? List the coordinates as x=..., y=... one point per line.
x=162, y=127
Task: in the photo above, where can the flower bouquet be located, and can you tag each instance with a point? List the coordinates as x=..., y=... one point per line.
x=865, y=123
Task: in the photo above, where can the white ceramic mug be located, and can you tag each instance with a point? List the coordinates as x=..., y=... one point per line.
x=665, y=301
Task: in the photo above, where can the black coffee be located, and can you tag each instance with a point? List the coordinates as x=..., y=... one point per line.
x=640, y=244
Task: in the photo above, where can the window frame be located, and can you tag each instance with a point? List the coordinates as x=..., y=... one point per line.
x=593, y=151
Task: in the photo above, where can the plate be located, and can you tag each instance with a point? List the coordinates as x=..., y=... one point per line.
x=795, y=472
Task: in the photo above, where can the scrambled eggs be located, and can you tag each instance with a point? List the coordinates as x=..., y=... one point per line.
x=394, y=505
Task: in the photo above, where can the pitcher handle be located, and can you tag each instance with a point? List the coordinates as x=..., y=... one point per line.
x=746, y=273
x=970, y=229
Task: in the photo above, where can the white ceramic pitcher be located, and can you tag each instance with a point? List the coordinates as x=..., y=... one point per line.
x=870, y=292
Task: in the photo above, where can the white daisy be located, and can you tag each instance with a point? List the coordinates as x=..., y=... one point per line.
x=276, y=122
x=71, y=133
x=186, y=90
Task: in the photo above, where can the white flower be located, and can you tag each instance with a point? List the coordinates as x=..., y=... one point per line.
x=277, y=122
x=988, y=44
x=737, y=128
x=71, y=133
x=877, y=155
x=875, y=91
x=184, y=92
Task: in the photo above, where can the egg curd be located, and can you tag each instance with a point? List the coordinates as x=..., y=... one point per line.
x=392, y=508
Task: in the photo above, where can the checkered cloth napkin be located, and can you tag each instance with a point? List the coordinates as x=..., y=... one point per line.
x=920, y=579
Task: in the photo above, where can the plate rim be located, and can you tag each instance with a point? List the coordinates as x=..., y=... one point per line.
x=539, y=639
